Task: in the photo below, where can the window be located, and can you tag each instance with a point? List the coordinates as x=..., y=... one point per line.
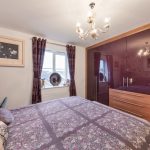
x=103, y=68
x=54, y=62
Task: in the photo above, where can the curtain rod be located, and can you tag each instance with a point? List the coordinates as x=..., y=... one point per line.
x=53, y=43
x=56, y=44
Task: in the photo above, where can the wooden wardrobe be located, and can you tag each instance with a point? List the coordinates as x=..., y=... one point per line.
x=133, y=97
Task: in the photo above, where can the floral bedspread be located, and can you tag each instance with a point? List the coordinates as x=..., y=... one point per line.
x=74, y=123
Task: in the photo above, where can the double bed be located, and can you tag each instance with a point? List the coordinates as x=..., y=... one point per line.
x=74, y=123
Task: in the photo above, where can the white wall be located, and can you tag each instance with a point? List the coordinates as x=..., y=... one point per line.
x=16, y=82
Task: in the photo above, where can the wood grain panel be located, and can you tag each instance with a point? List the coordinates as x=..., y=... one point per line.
x=126, y=34
x=130, y=102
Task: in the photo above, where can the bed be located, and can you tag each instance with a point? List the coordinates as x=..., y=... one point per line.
x=74, y=123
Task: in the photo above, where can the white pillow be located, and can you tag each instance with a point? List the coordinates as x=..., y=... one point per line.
x=1, y=145
x=3, y=134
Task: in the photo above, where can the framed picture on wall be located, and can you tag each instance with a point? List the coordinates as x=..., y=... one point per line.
x=11, y=52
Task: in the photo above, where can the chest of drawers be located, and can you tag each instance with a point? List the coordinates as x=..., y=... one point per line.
x=130, y=102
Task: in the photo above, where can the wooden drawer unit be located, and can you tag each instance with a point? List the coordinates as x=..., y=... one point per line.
x=130, y=102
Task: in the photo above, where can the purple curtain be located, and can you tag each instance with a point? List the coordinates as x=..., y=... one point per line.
x=71, y=60
x=38, y=50
x=97, y=57
x=109, y=59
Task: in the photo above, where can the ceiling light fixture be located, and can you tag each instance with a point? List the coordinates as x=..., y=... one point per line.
x=93, y=31
x=145, y=51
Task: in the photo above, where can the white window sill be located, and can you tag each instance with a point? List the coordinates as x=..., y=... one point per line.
x=53, y=87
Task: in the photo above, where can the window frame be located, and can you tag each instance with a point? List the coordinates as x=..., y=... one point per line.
x=103, y=66
x=54, y=53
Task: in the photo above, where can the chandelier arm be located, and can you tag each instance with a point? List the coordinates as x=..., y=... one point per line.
x=92, y=31
x=87, y=33
x=84, y=35
x=102, y=30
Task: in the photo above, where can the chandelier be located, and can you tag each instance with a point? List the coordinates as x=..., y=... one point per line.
x=145, y=51
x=93, y=31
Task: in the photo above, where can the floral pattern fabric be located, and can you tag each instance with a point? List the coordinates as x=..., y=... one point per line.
x=74, y=123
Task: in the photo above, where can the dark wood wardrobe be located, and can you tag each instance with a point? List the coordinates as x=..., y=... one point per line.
x=131, y=75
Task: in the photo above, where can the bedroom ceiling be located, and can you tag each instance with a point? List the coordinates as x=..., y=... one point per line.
x=56, y=19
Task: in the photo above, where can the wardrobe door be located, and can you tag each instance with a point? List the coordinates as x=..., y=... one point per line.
x=90, y=75
x=138, y=65
x=117, y=50
x=91, y=78
x=103, y=93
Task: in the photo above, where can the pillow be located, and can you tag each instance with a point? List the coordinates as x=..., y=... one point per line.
x=3, y=103
x=1, y=144
x=3, y=134
x=6, y=116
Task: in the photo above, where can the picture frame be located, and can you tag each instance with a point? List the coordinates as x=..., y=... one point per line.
x=11, y=52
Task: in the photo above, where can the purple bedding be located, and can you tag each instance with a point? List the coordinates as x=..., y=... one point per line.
x=75, y=123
